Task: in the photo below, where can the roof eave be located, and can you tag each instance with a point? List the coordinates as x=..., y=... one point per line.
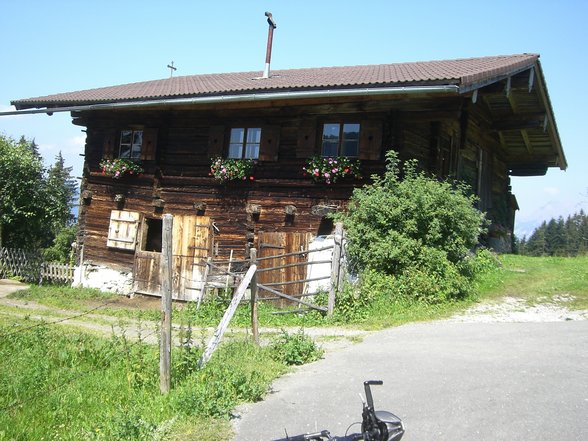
x=46, y=107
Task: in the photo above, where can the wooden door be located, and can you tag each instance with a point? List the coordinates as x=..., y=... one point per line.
x=286, y=273
x=192, y=243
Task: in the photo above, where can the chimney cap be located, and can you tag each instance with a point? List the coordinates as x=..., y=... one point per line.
x=270, y=20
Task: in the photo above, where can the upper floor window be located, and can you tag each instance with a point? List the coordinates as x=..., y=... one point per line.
x=244, y=143
x=130, y=144
x=341, y=139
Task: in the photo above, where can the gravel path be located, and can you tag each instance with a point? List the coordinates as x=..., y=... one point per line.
x=514, y=310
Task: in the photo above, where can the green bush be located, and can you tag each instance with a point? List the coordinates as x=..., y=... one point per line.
x=418, y=229
x=295, y=349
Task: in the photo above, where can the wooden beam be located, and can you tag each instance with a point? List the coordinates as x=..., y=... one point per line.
x=230, y=311
x=520, y=122
x=528, y=144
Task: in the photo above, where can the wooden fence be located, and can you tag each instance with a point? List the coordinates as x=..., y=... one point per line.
x=286, y=278
x=28, y=266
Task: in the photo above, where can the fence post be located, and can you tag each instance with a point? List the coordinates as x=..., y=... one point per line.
x=166, y=305
x=335, y=267
x=253, y=285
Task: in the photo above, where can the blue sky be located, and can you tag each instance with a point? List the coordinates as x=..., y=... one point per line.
x=61, y=46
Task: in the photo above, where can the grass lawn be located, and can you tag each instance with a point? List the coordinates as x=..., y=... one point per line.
x=559, y=280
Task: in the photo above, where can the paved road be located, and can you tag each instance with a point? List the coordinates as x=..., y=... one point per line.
x=446, y=380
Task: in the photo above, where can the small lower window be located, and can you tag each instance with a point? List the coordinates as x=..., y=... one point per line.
x=152, y=235
x=244, y=143
x=341, y=139
x=326, y=227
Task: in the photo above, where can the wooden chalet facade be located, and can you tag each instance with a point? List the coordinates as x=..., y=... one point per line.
x=480, y=120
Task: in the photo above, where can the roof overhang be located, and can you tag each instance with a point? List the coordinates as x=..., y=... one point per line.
x=228, y=98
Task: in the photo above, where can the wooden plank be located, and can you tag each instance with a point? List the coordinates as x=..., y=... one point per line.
x=298, y=253
x=292, y=265
x=254, y=290
x=291, y=282
x=291, y=298
x=230, y=311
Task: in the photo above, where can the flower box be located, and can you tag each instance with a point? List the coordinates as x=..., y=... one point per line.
x=226, y=169
x=328, y=170
x=120, y=167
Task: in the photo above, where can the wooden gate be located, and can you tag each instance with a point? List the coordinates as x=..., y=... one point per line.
x=286, y=271
x=192, y=244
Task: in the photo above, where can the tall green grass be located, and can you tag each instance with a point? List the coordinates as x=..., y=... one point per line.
x=60, y=385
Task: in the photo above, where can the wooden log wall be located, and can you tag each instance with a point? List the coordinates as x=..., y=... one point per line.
x=177, y=177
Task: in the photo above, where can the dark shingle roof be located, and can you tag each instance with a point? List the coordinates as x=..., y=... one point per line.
x=464, y=73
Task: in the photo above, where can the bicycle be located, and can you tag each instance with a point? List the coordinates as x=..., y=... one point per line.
x=376, y=425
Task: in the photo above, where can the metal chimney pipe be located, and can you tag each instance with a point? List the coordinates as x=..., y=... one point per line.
x=270, y=37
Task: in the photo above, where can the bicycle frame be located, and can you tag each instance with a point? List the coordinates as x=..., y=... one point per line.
x=376, y=425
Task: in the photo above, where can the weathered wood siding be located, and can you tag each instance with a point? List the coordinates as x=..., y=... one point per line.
x=446, y=136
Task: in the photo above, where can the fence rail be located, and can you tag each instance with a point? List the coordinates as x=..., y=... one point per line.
x=56, y=273
x=28, y=266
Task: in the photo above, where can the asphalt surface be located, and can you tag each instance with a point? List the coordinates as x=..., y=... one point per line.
x=446, y=380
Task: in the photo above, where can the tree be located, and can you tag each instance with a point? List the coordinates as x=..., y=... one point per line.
x=62, y=189
x=22, y=194
x=418, y=229
x=536, y=245
x=34, y=206
x=556, y=238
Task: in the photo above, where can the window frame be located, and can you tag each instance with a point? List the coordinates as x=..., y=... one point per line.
x=133, y=155
x=245, y=142
x=341, y=139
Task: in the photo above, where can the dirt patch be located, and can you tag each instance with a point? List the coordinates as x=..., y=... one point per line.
x=515, y=310
x=9, y=286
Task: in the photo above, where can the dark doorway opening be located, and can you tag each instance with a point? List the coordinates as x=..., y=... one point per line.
x=153, y=235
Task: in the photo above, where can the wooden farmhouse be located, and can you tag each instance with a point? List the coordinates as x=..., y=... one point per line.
x=480, y=120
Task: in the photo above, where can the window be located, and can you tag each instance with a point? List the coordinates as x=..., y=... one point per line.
x=244, y=143
x=130, y=144
x=341, y=139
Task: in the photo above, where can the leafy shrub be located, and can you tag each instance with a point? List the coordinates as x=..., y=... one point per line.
x=61, y=250
x=295, y=349
x=237, y=372
x=418, y=229
x=352, y=303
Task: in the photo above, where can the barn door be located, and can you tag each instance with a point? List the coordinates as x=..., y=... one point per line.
x=282, y=272
x=192, y=245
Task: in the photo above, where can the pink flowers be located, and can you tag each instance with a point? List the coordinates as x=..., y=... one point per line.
x=228, y=169
x=119, y=167
x=331, y=169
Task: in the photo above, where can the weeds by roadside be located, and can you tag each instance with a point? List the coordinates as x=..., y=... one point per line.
x=75, y=386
